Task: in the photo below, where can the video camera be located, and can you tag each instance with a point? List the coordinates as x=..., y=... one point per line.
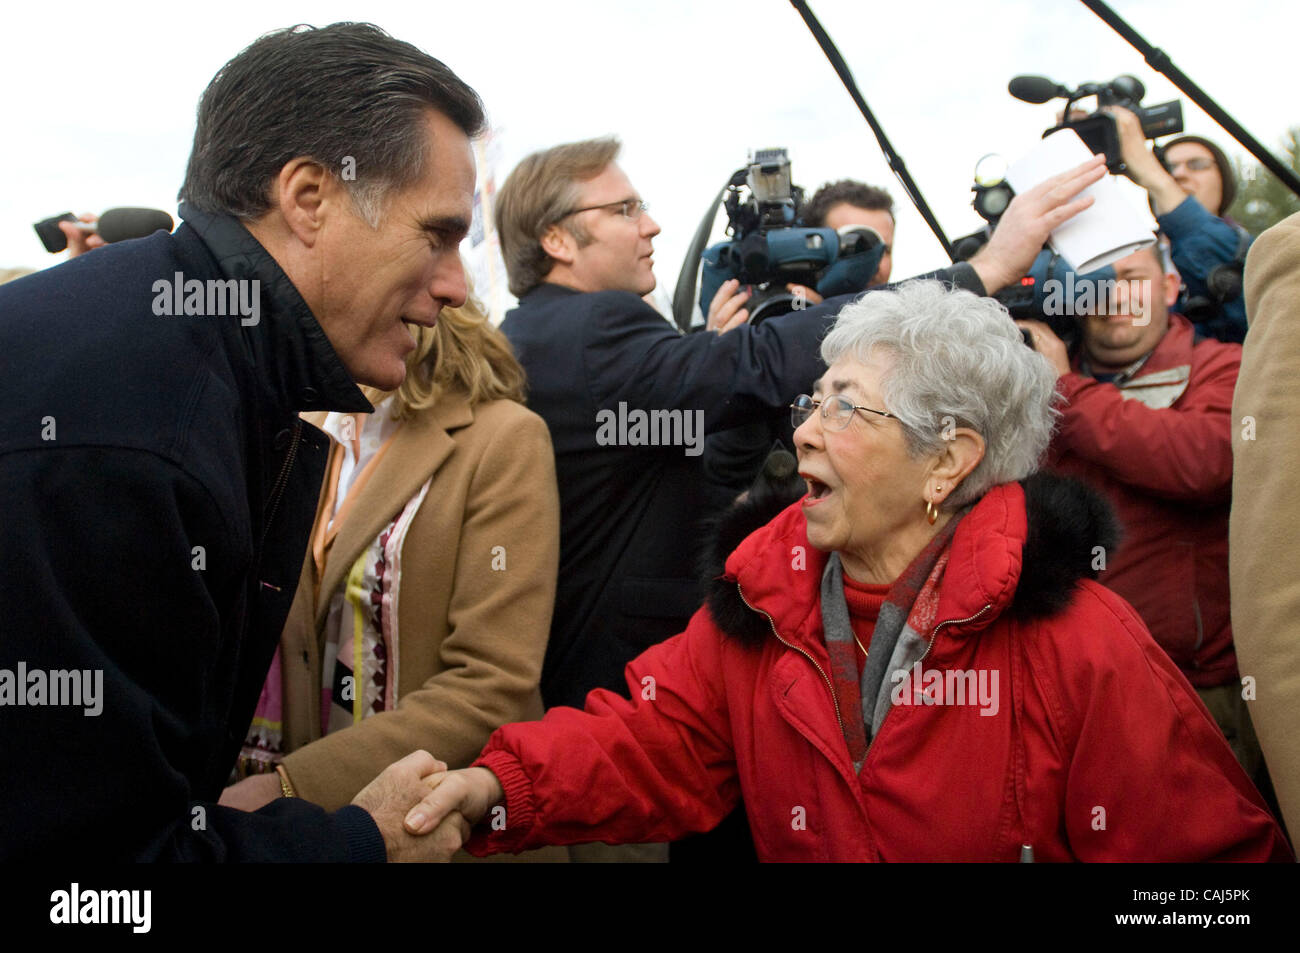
x=1052, y=291
x=1098, y=130
x=769, y=247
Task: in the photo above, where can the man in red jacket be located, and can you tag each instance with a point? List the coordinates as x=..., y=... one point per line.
x=1147, y=419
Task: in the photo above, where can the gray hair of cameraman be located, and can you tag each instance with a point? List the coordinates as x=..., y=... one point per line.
x=954, y=360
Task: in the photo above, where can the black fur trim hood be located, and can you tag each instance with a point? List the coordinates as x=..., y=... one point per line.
x=1066, y=520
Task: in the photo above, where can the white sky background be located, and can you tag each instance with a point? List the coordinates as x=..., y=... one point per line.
x=100, y=97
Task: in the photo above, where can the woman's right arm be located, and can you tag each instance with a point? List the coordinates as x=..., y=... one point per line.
x=651, y=769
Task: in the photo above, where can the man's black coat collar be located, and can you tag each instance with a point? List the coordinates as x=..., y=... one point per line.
x=296, y=364
x=548, y=291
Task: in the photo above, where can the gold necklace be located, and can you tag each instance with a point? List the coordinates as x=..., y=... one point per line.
x=865, y=653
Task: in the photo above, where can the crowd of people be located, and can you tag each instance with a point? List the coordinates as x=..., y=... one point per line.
x=368, y=578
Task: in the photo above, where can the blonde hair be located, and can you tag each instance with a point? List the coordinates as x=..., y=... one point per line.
x=463, y=352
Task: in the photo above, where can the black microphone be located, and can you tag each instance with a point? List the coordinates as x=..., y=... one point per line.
x=115, y=225
x=1035, y=89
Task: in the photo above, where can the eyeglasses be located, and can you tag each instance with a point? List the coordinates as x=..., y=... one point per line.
x=1194, y=164
x=630, y=208
x=837, y=410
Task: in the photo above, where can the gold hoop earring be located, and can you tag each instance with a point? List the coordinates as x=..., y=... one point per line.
x=931, y=512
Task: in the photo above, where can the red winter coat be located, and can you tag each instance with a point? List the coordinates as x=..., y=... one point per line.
x=1099, y=749
x=1167, y=470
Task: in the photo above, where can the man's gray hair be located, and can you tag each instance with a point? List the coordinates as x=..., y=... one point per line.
x=347, y=91
x=954, y=360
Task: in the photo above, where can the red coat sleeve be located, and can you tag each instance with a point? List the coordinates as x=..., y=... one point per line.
x=1149, y=776
x=648, y=770
x=1182, y=452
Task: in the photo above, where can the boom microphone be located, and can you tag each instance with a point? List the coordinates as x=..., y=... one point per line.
x=1035, y=89
x=115, y=225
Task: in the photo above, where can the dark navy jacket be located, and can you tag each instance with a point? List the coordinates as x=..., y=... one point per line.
x=629, y=515
x=159, y=489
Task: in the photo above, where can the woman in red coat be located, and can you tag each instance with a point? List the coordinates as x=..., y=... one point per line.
x=910, y=664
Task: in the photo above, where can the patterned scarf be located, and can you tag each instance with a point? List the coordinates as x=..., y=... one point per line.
x=911, y=605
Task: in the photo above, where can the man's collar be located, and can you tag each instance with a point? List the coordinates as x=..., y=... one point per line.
x=296, y=362
x=1173, y=349
x=549, y=289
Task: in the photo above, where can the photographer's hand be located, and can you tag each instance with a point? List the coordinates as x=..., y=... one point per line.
x=80, y=242
x=725, y=311
x=1141, y=165
x=1029, y=219
x=1049, y=345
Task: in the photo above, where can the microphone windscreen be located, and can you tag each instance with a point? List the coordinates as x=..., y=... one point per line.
x=1033, y=89
x=119, y=224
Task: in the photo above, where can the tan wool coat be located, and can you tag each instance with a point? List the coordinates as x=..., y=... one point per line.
x=1264, y=543
x=477, y=586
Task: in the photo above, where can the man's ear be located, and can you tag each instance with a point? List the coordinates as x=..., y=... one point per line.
x=305, y=194
x=1171, y=283
x=559, y=244
x=963, y=449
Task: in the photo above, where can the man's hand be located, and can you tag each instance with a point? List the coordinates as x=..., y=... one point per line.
x=1140, y=163
x=468, y=794
x=1049, y=345
x=254, y=792
x=808, y=294
x=80, y=242
x=1029, y=219
x=390, y=796
x=725, y=311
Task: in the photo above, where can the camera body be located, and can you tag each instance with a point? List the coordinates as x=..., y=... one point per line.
x=1098, y=130
x=769, y=248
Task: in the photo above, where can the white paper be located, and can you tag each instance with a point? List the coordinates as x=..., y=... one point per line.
x=1105, y=231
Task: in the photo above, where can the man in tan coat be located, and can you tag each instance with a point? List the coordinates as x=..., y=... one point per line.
x=1263, y=549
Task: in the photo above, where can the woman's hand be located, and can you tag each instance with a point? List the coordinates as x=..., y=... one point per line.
x=254, y=792
x=470, y=792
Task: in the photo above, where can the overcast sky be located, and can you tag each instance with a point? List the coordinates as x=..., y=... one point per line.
x=100, y=97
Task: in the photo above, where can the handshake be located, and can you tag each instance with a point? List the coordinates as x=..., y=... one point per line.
x=424, y=811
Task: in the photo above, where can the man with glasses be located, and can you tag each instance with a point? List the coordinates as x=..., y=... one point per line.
x=578, y=248
x=1191, y=187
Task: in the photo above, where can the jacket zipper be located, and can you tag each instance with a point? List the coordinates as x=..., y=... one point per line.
x=277, y=490
x=929, y=646
x=834, y=700
x=950, y=622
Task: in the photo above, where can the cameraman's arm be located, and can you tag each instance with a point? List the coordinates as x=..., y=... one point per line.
x=1142, y=166
x=1199, y=241
x=1029, y=219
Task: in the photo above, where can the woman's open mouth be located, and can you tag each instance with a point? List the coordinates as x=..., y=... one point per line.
x=817, y=490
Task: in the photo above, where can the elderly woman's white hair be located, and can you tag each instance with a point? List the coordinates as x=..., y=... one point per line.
x=954, y=360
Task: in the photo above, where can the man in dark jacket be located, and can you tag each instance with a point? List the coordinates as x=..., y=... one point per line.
x=628, y=399
x=160, y=485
